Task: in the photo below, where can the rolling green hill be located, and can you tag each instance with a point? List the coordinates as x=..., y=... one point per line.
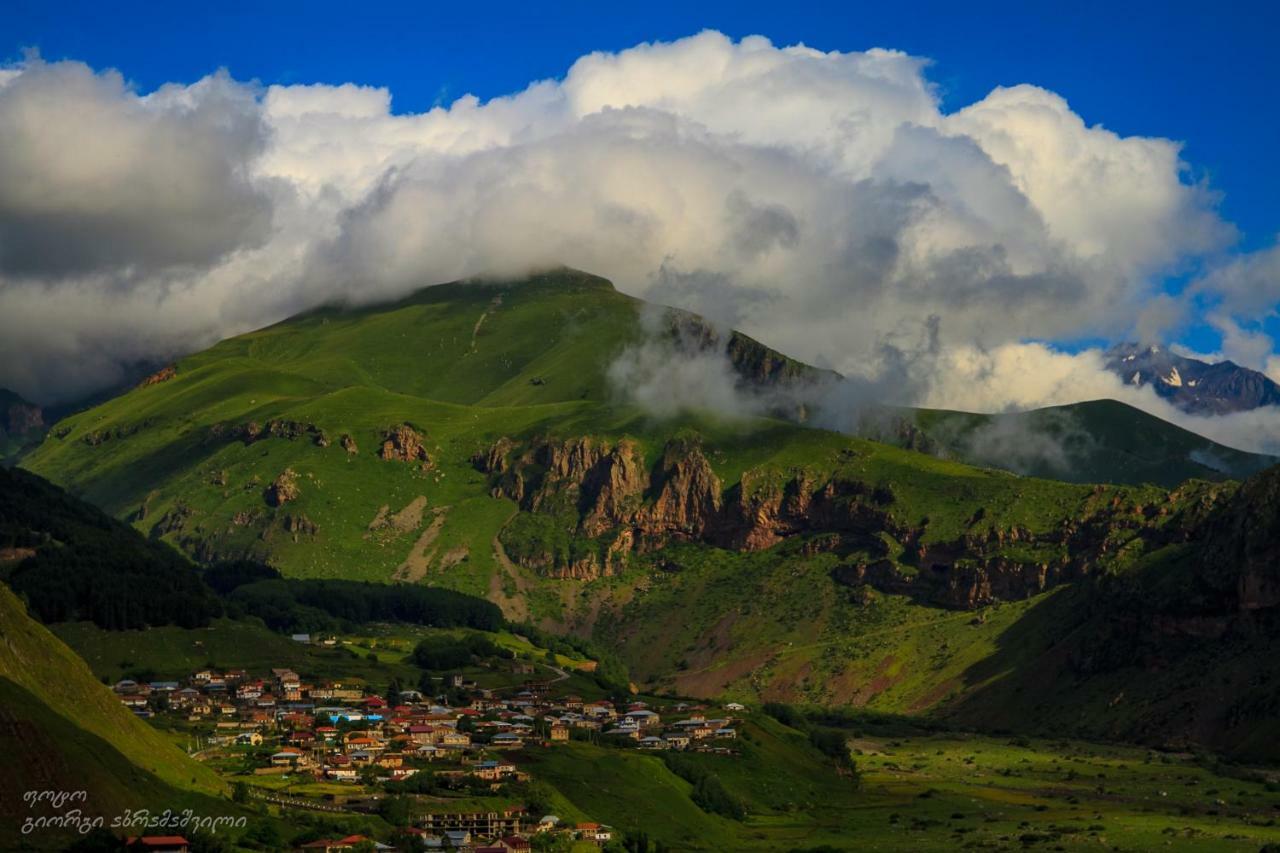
x=469, y=437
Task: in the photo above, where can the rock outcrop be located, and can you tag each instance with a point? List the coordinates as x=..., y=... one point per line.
x=283, y=489
x=164, y=374
x=403, y=443
x=615, y=505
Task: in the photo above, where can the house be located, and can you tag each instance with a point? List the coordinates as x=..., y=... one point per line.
x=514, y=844
x=301, y=638
x=559, y=731
x=735, y=706
x=645, y=719
x=302, y=738
x=506, y=741
x=593, y=832
x=420, y=839
x=288, y=757
x=457, y=837
x=492, y=770
x=652, y=742
x=484, y=824
x=248, y=739
x=677, y=740
x=454, y=740
x=159, y=844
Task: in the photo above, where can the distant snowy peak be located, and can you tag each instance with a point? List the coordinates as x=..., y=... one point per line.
x=1191, y=384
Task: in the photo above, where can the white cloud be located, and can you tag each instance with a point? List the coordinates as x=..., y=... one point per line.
x=821, y=201
x=96, y=180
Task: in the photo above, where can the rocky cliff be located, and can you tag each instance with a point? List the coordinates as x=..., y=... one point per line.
x=615, y=504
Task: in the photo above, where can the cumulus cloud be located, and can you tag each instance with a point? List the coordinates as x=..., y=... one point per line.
x=820, y=201
x=96, y=180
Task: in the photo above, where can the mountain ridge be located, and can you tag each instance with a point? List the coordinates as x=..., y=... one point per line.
x=1193, y=385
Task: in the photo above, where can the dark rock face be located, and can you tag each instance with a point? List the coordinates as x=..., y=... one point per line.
x=606, y=491
x=1192, y=385
x=1241, y=551
x=252, y=431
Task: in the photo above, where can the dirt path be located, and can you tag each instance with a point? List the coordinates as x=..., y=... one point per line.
x=418, y=563
x=475, y=330
x=516, y=608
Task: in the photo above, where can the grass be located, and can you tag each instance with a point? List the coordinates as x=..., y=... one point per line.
x=63, y=730
x=375, y=656
x=922, y=790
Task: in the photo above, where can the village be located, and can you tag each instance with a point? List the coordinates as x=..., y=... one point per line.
x=339, y=746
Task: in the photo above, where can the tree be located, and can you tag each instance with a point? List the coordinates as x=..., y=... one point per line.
x=395, y=811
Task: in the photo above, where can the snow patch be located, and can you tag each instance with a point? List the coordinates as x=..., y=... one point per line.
x=1174, y=379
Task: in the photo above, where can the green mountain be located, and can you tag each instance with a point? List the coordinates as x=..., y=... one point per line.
x=1102, y=441
x=469, y=437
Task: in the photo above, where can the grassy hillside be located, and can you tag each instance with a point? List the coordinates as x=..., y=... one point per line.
x=1102, y=441
x=462, y=365
x=468, y=437
x=63, y=730
x=920, y=789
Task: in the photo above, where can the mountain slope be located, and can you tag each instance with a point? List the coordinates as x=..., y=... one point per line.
x=1191, y=384
x=469, y=437
x=1101, y=441
x=63, y=730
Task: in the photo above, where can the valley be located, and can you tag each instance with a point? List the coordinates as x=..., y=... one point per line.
x=1067, y=660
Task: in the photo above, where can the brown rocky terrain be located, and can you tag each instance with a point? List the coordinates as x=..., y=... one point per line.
x=283, y=489
x=164, y=374
x=403, y=443
x=612, y=498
